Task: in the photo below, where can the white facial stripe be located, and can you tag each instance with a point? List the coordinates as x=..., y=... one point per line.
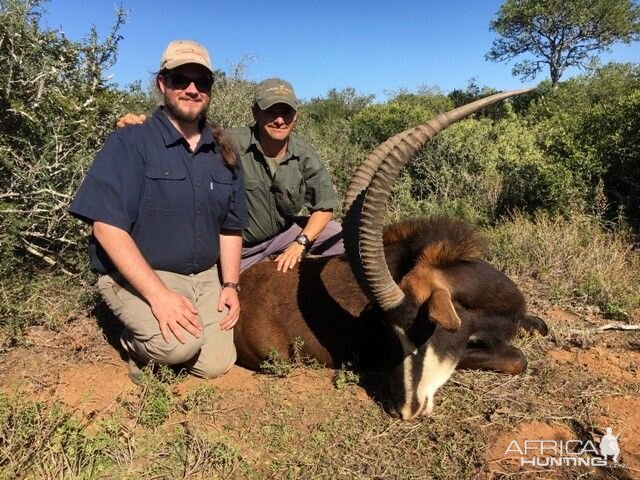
x=435, y=372
x=409, y=350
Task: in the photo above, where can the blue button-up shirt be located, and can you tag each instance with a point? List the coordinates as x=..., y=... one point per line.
x=172, y=201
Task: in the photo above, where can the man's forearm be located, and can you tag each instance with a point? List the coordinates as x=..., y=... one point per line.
x=316, y=223
x=230, y=253
x=127, y=258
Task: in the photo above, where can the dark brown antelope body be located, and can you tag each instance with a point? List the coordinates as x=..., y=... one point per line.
x=418, y=296
x=319, y=301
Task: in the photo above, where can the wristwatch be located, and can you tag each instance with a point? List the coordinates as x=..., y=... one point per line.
x=303, y=240
x=235, y=286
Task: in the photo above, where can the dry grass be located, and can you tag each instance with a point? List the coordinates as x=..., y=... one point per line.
x=48, y=299
x=314, y=423
x=303, y=426
x=575, y=261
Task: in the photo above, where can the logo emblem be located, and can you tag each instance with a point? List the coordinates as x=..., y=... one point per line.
x=609, y=445
x=544, y=453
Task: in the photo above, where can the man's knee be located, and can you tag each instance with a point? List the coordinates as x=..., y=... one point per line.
x=173, y=352
x=334, y=227
x=215, y=365
x=329, y=242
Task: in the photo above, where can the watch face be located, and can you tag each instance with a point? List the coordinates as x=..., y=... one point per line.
x=302, y=240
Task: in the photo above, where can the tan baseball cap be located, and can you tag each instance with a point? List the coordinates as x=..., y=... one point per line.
x=181, y=52
x=275, y=90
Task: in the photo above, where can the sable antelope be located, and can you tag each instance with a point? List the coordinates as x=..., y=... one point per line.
x=418, y=294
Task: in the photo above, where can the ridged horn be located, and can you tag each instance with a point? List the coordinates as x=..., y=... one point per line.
x=368, y=193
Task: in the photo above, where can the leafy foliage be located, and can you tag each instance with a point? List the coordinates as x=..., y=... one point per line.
x=232, y=97
x=57, y=108
x=590, y=128
x=373, y=125
x=559, y=34
x=338, y=104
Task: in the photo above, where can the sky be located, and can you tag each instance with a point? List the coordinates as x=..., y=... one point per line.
x=376, y=47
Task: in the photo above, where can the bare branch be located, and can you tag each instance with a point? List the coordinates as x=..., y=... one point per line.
x=33, y=249
x=607, y=327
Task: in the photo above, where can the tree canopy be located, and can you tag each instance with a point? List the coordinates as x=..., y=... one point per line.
x=559, y=34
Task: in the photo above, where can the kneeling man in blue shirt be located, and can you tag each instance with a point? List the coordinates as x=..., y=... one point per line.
x=167, y=206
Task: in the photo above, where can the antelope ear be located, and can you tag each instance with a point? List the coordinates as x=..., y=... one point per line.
x=441, y=310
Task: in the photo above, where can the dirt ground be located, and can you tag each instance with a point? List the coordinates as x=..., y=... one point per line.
x=590, y=381
x=607, y=358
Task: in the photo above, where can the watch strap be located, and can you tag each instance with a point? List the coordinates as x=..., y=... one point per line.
x=235, y=286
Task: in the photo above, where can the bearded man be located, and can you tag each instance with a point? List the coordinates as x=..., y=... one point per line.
x=167, y=207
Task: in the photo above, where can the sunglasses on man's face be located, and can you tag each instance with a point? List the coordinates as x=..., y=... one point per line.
x=181, y=82
x=284, y=111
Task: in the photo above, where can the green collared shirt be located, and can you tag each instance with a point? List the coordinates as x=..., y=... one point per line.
x=276, y=195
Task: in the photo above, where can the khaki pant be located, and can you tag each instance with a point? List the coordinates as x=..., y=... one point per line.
x=208, y=356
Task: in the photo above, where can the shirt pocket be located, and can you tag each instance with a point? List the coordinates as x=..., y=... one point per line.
x=289, y=198
x=252, y=185
x=167, y=191
x=258, y=199
x=220, y=192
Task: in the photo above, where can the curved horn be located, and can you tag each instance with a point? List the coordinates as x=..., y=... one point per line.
x=367, y=195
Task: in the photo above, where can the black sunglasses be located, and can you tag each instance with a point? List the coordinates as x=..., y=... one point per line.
x=181, y=82
x=278, y=110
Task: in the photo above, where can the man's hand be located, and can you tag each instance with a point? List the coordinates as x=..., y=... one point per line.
x=292, y=255
x=173, y=311
x=175, y=314
x=130, y=119
x=229, y=299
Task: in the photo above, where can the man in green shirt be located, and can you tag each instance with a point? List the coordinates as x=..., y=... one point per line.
x=283, y=174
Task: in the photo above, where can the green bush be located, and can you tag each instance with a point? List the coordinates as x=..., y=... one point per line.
x=482, y=169
x=590, y=126
x=56, y=108
x=376, y=123
x=232, y=97
x=339, y=105
x=532, y=187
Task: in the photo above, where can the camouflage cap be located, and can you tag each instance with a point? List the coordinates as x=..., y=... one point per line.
x=275, y=90
x=181, y=52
